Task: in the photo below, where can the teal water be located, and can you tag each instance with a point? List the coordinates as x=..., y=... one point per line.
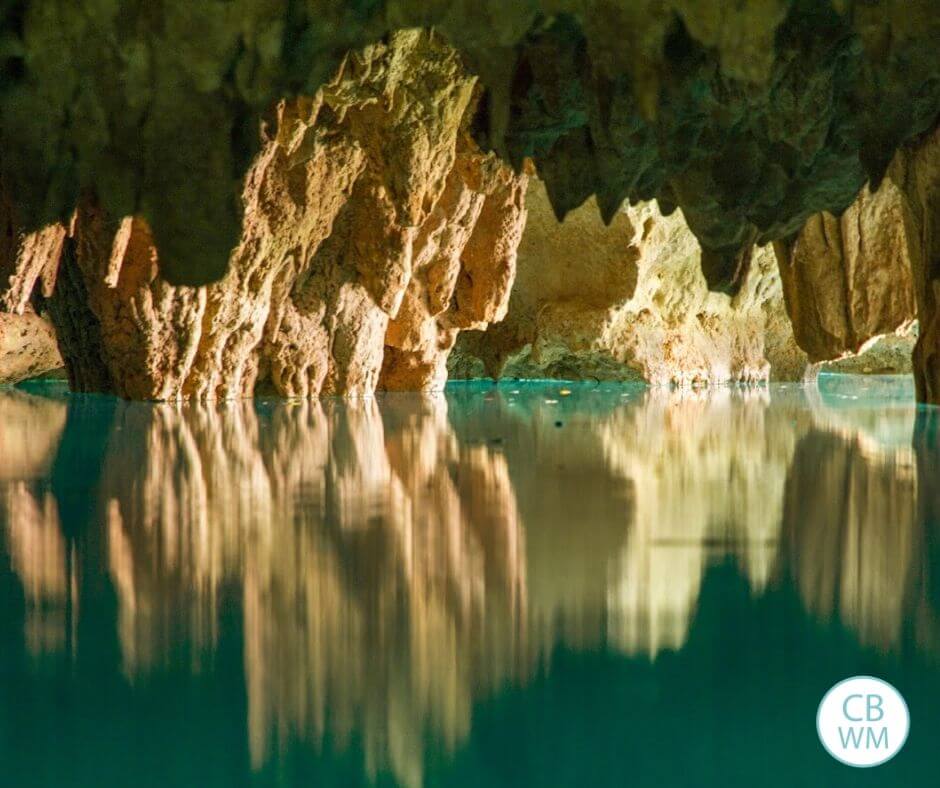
x=523, y=584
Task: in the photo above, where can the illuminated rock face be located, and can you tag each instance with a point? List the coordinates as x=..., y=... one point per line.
x=629, y=301
x=873, y=270
x=27, y=347
x=27, y=340
x=346, y=245
x=848, y=280
x=750, y=118
x=371, y=219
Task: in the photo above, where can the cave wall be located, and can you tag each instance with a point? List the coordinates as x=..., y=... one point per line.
x=875, y=268
x=920, y=181
x=848, y=280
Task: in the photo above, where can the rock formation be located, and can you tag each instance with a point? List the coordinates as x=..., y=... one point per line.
x=848, y=280
x=874, y=269
x=332, y=240
x=371, y=219
x=751, y=119
x=629, y=302
x=27, y=347
x=920, y=178
x=27, y=340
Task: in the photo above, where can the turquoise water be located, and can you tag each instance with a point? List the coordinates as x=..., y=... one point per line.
x=523, y=584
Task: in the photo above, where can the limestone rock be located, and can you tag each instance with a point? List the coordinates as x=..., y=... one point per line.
x=874, y=270
x=847, y=280
x=920, y=180
x=629, y=302
x=27, y=261
x=464, y=269
x=752, y=117
x=366, y=224
x=368, y=203
x=27, y=347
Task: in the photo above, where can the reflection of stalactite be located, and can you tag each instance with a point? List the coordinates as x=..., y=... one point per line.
x=30, y=430
x=708, y=487
x=850, y=526
x=378, y=550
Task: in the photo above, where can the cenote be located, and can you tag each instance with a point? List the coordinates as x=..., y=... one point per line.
x=453, y=589
x=522, y=393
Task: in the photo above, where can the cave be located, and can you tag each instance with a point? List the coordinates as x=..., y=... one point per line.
x=379, y=372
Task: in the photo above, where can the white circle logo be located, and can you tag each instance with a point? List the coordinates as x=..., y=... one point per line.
x=863, y=721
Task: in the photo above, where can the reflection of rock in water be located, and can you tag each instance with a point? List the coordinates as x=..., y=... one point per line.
x=709, y=487
x=628, y=502
x=852, y=539
x=30, y=429
x=379, y=554
x=849, y=522
x=37, y=553
x=380, y=565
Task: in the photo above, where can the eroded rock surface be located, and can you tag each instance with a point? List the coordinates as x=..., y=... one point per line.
x=349, y=241
x=873, y=270
x=848, y=280
x=920, y=180
x=751, y=117
x=27, y=347
x=629, y=301
x=374, y=231
x=27, y=261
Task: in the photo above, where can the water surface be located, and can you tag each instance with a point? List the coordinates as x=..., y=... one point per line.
x=523, y=584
